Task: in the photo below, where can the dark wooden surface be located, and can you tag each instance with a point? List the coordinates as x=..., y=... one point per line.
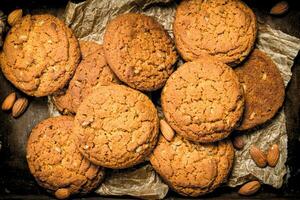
x=16, y=181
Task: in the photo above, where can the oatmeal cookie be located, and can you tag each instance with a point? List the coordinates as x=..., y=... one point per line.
x=116, y=126
x=203, y=100
x=91, y=71
x=139, y=51
x=225, y=29
x=192, y=169
x=263, y=88
x=54, y=160
x=40, y=55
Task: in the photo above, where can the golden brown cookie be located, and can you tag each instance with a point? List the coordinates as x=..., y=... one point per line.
x=139, y=51
x=192, y=169
x=40, y=55
x=263, y=89
x=203, y=100
x=116, y=126
x=55, y=162
x=225, y=29
x=92, y=70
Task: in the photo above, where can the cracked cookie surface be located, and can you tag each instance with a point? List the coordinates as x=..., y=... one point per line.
x=203, y=100
x=92, y=70
x=192, y=169
x=40, y=55
x=263, y=88
x=225, y=29
x=116, y=126
x=139, y=51
x=54, y=160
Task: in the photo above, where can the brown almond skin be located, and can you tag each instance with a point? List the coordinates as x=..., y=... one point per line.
x=166, y=130
x=14, y=16
x=258, y=157
x=9, y=101
x=62, y=193
x=238, y=142
x=249, y=188
x=273, y=155
x=280, y=8
x=19, y=107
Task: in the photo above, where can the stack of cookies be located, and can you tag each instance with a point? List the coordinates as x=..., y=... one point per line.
x=111, y=123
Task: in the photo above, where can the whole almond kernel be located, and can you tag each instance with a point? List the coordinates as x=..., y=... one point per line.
x=279, y=8
x=19, y=107
x=238, y=142
x=62, y=193
x=273, y=155
x=166, y=130
x=14, y=16
x=249, y=188
x=9, y=101
x=258, y=157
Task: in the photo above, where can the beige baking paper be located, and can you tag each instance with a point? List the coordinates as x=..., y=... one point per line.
x=282, y=48
x=3, y=26
x=88, y=21
x=139, y=181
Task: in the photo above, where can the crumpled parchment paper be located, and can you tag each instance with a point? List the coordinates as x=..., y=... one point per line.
x=2, y=27
x=282, y=48
x=88, y=20
x=141, y=181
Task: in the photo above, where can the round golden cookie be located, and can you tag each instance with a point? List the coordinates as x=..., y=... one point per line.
x=55, y=162
x=116, y=126
x=192, y=169
x=203, y=100
x=92, y=70
x=40, y=55
x=263, y=89
x=225, y=29
x=139, y=51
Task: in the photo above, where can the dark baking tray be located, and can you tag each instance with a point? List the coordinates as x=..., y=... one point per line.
x=17, y=183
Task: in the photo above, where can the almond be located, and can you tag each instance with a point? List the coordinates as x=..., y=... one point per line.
x=14, y=16
x=238, y=142
x=258, y=157
x=166, y=130
x=62, y=193
x=273, y=155
x=280, y=8
x=9, y=101
x=19, y=107
x=249, y=188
